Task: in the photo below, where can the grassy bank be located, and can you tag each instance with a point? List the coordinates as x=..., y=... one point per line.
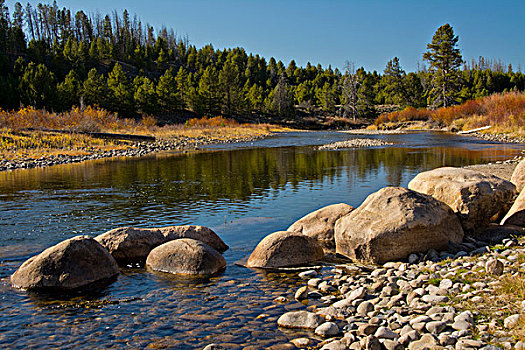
x=505, y=113
x=29, y=133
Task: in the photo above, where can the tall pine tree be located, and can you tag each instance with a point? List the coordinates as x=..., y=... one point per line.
x=445, y=59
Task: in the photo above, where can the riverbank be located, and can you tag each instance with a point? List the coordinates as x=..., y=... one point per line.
x=125, y=149
x=467, y=297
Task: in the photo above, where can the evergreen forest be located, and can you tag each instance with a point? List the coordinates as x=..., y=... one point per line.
x=54, y=59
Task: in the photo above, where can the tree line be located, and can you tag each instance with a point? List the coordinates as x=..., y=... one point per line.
x=54, y=59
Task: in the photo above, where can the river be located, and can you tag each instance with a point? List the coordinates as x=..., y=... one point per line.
x=242, y=191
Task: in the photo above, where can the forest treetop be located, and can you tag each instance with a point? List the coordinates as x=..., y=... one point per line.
x=52, y=58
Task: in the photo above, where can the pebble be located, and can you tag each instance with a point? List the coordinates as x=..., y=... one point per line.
x=302, y=293
x=327, y=329
x=385, y=333
x=511, y=321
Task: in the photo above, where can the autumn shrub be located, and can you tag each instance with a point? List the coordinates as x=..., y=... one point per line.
x=505, y=112
x=407, y=114
x=89, y=119
x=210, y=122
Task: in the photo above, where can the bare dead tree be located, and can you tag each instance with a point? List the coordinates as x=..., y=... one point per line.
x=349, y=89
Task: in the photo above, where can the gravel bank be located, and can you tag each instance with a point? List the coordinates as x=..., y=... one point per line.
x=136, y=149
x=502, y=169
x=440, y=300
x=354, y=143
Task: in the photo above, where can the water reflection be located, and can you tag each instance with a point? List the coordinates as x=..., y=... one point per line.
x=243, y=194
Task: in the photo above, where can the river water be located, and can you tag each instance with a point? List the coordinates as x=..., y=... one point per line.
x=242, y=191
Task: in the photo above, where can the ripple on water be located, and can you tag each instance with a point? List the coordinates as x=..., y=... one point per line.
x=243, y=194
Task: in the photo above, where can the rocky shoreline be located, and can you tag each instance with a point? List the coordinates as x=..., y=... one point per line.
x=465, y=295
x=438, y=300
x=136, y=149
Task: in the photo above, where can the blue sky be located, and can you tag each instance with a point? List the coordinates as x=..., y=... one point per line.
x=368, y=33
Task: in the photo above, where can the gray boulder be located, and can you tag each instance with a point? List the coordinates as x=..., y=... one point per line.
x=72, y=264
x=186, y=256
x=282, y=248
x=518, y=176
x=200, y=233
x=393, y=223
x=516, y=214
x=478, y=199
x=130, y=244
x=127, y=244
x=320, y=224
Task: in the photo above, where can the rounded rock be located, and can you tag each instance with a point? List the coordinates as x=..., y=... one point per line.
x=74, y=263
x=394, y=222
x=283, y=249
x=300, y=319
x=327, y=329
x=320, y=224
x=186, y=257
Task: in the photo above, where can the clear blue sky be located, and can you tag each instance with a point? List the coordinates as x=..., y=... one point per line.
x=368, y=33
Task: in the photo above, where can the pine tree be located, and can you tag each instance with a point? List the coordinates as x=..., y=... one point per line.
x=209, y=91
x=145, y=96
x=37, y=86
x=230, y=87
x=392, y=83
x=167, y=92
x=69, y=91
x=445, y=59
x=120, y=90
x=95, y=90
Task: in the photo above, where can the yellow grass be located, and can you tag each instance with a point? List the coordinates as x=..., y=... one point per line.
x=17, y=142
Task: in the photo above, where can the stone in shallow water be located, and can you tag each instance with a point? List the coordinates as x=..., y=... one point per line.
x=300, y=319
x=282, y=249
x=71, y=264
x=302, y=293
x=186, y=256
x=320, y=224
x=327, y=329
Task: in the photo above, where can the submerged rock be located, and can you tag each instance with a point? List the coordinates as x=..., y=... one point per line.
x=394, y=222
x=186, y=256
x=478, y=199
x=72, y=264
x=320, y=224
x=282, y=249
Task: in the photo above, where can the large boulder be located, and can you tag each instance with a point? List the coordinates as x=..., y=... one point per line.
x=393, y=223
x=283, y=248
x=516, y=214
x=518, y=176
x=477, y=199
x=320, y=224
x=200, y=233
x=72, y=264
x=131, y=244
x=186, y=256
